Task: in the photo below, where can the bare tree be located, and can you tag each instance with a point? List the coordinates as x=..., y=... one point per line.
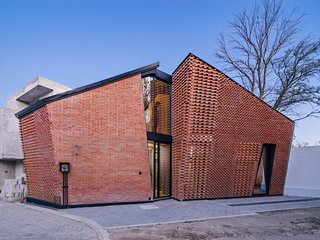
x=263, y=52
x=293, y=87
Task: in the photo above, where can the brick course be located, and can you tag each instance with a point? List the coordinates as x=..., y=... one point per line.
x=218, y=131
x=102, y=134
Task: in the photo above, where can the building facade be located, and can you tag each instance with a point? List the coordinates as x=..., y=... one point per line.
x=11, y=155
x=145, y=134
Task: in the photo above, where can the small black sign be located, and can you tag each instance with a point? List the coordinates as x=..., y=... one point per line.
x=64, y=167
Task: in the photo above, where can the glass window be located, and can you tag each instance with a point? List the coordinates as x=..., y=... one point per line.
x=156, y=98
x=147, y=102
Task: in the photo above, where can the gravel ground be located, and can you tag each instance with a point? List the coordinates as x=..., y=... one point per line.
x=279, y=225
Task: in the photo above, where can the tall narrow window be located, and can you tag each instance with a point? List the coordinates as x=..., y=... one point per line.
x=147, y=102
x=151, y=160
x=157, y=103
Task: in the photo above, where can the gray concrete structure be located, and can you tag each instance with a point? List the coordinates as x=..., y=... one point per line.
x=11, y=155
x=7, y=169
x=303, y=177
x=10, y=144
x=31, y=88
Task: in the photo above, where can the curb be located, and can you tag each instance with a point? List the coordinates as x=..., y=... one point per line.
x=181, y=221
x=102, y=233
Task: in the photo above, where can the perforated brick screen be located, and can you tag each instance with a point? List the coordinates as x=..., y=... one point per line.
x=218, y=131
x=40, y=167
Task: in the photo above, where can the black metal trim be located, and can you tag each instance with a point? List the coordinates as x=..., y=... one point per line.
x=158, y=74
x=45, y=203
x=163, y=76
x=85, y=88
x=159, y=137
x=59, y=206
x=191, y=54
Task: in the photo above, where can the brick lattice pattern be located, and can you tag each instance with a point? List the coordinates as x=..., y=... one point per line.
x=102, y=134
x=218, y=131
x=39, y=161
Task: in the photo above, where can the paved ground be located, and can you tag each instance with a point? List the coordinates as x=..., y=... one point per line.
x=168, y=211
x=22, y=223
x=242, y=222
x=158, y=212
x=279, y=225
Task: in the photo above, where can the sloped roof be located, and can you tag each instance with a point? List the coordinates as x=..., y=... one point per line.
x=150, y=69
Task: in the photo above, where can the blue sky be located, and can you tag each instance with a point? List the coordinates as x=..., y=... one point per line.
x=77, y=42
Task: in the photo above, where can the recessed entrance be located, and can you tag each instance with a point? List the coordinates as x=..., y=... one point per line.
x=264, y=170
x=160, y=168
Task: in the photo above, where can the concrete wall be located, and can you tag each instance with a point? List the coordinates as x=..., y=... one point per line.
x=303, y=178
x=10, y=144
x=7, y=171
x=19, y=171
x=12, y=103
x=11, y=155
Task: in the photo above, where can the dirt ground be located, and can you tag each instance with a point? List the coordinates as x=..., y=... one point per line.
x=299, y=224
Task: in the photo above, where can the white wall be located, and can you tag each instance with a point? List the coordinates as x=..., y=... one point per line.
x=303, y=176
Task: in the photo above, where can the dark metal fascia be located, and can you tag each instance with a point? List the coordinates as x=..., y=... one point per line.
x=162, y=138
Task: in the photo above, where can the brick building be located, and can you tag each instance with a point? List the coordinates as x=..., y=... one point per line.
x=145, y=134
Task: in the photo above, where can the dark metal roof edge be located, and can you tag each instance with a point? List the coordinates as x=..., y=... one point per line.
x=42, y=102
x=165, y=77
x=191, y=54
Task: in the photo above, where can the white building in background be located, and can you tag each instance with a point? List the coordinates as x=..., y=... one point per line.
x=11, y=155
x=303, y=176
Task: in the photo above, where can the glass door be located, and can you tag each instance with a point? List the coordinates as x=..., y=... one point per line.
x=160, y=168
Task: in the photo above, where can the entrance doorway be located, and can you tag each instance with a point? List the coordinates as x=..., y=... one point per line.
x=264, y=170
x=160, y=168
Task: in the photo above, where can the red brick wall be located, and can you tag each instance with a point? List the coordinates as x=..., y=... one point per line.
x=40, y=167
x=102, y=134
x=218, y=130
